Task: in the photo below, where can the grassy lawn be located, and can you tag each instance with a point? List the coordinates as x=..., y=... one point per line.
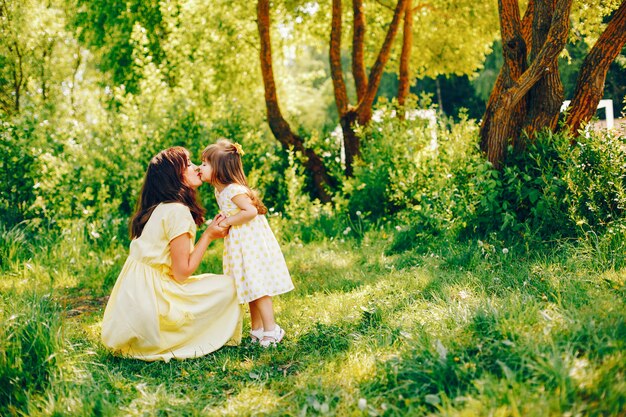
x=468, y=329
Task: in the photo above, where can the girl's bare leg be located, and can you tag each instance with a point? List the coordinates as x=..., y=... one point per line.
x=256, y=322
x=265, y=308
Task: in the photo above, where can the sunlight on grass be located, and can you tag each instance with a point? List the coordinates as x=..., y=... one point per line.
x=153, y=400
x=249, y=401
x=367, y=335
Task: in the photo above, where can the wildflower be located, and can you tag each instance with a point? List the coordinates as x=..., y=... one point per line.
x=505, y=251
x=362, y=404
x=348, y=229
x=358, y=213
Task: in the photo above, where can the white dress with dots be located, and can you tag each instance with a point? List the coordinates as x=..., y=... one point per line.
x=251, y=253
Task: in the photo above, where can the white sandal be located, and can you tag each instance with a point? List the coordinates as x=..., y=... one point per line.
x=256, y=335
x=272, y=337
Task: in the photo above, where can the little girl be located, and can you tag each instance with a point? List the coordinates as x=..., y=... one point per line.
x=251, y=253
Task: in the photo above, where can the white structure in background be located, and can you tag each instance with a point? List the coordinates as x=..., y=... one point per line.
x=604, y=104
x=377, y=117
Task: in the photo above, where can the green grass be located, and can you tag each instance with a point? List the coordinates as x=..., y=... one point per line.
x=460, y=331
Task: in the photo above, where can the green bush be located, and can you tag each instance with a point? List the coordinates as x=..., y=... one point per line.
x=596, y=180
x=548, y=192
x=17, y=170
x=528, y=199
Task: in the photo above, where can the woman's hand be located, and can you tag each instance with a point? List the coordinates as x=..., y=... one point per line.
x=217, y=229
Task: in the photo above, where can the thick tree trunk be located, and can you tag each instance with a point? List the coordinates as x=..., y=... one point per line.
x=590, y=83
x=527, y=26
x=499, y=127
x=358, y=44
x=545, y=97
x=278, y=125
x=505, y=121
x=499, y=86
x=405, y=56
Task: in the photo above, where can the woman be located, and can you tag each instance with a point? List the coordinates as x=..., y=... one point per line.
x=157, y=310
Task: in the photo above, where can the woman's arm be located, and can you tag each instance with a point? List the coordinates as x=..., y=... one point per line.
x=247, y=211
x=184, y=260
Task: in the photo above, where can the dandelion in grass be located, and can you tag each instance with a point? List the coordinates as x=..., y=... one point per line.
x=505, y=251
x=348, y=230
x=579, y=372
x=362, y=404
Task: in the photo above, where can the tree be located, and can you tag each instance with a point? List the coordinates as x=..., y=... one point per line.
x=361, y=113
x=36, y=53
x=441, y=47
x=279, y=126
x=528, y=93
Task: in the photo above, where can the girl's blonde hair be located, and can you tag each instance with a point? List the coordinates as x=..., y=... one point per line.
x=225, y=160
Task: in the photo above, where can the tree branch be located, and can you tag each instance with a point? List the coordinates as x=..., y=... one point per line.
x=358, y=40
x=590, y=83
x=405, y=56
x=364, y=108
x=557, y=37
x=336, y=71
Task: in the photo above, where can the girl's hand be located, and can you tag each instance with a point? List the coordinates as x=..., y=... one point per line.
x=215, y=230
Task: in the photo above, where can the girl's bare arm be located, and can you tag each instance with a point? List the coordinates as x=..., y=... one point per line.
x=247, y=211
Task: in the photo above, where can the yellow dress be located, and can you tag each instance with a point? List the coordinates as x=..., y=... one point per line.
x=150, y=316
x=251, y=253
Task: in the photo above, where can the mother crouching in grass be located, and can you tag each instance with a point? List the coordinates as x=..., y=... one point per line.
x=157, y=309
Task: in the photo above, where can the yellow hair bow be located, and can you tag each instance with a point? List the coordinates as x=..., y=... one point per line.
x=239, y=149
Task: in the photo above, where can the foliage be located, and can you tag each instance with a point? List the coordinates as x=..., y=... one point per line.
x=549, y=192
x=17, y=170
x=30, y=340
x=416, y=172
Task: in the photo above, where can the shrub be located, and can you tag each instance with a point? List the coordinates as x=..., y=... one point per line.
x=17, y=169
x=548, y=192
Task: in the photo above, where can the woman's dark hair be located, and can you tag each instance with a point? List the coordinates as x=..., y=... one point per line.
x=164, y=183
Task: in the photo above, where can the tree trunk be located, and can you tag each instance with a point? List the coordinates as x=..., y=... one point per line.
x=499, y=85
x=505, y=121
x=499, y=124
x=351, y=141
x=590, y=83
x=349, y=115
x=278, y=125
x=527, y=26
x=334, y=52
x=545, y=97
x=358, y=40
x=364, y=108
x=405, y=56
x=345, y=111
